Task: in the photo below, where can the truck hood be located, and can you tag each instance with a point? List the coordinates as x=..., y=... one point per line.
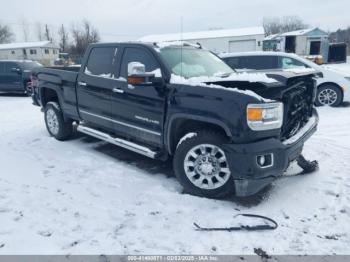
x=284, y=81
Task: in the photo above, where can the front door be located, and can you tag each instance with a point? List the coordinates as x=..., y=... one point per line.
x=94, y=87
x=138, y=111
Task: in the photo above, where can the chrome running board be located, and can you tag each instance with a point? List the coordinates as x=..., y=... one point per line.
x=117, y=141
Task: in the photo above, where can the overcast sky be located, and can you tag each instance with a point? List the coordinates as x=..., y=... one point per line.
x=130, y=19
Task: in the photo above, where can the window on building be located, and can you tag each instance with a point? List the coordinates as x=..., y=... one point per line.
x=47, y=51
x=100, y=61
x=24, y=52
x=13, y=52
x=32, y=51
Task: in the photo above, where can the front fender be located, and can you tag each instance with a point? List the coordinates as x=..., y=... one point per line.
x=171, y=120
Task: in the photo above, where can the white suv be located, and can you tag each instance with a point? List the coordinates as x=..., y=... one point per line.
x=333, y=88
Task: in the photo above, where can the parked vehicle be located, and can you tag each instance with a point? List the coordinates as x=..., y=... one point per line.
x=332, y=88
x=226, y=132
x=15, y=75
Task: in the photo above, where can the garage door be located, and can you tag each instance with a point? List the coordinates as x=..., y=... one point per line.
x=242, y=46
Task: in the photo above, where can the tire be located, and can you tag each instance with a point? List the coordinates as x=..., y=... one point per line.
x=55, y=123
x=206, y=165
x=329, y=95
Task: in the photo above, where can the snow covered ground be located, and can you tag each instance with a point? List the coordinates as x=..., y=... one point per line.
x=84, y=196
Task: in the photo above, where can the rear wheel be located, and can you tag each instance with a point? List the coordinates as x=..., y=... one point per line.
x=329, y=95
x=201, y=165
x=56, y=125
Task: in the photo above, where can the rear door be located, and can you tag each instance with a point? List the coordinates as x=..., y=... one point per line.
x=9, y=79
x=94, y=87
x=138, y=111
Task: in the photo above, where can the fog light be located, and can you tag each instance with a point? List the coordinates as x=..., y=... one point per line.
x=265, y=161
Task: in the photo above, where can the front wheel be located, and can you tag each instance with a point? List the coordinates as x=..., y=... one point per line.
x=329, y=95
x=201, y=165
x=56, y=125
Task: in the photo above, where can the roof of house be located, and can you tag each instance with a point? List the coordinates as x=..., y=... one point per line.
x=27, y=45
x=204, y=34
x=305, y=32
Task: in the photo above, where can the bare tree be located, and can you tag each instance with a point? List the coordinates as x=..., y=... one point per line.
x=6, y=34
x=83, y=35
x=26, y=32
x=278, y=25
x=47, y=33
x=63, y=38
x=39, y=31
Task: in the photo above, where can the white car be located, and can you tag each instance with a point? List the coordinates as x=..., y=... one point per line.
x=333, y=87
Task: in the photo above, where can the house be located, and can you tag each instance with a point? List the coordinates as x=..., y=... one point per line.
x=44, y=52
x=218, y=41
x=306, y=42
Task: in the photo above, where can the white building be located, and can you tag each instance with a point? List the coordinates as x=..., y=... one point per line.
x=44, y=52
x=218, y=41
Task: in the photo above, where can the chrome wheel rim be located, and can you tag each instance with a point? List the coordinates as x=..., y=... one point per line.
x=206, y=166
x=52, y=121
x=327, y=97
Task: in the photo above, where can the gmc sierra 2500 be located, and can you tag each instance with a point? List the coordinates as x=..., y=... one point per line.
x=226, y=132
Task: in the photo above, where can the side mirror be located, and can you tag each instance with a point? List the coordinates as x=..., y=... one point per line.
x=137, y=75
x=16, y=70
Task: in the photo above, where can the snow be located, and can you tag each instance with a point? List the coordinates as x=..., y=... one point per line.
x=25, y=45
x=299, y=32
x=187, y=136
x=85, y=196
x=244, y=76
x=300, y=70
x=204, y=34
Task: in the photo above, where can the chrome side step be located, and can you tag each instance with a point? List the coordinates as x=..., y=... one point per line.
x=117, y=141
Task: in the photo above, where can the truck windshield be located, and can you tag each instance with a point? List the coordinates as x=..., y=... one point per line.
x=190, y=62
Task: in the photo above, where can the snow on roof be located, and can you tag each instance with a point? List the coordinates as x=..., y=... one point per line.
x=300, y=32
x=27, y=45
x=271, y=37
x=204, y=34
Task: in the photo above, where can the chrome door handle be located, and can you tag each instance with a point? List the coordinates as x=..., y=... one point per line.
x=118, y=90
x=82, y=83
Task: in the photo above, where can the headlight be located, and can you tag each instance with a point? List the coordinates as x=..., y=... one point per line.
x=265, y=116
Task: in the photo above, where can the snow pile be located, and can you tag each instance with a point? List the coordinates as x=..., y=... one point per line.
x=203, y=80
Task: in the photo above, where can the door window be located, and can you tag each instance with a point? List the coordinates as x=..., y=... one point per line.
x=100, y=62
x=141, y=56
x=257, y=62
x=288, y=62
x=8, y=68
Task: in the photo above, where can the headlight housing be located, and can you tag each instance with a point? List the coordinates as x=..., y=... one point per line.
x=265, y=116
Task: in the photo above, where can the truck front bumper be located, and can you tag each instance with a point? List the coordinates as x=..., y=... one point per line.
x=249, y=174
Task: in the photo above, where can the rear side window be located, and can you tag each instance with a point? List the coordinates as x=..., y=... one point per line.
x=100, y=62
x=138, y=55
x=288, y=62
x=259, y=62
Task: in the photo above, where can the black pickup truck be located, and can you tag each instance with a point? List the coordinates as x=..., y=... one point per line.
x=227, y=133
